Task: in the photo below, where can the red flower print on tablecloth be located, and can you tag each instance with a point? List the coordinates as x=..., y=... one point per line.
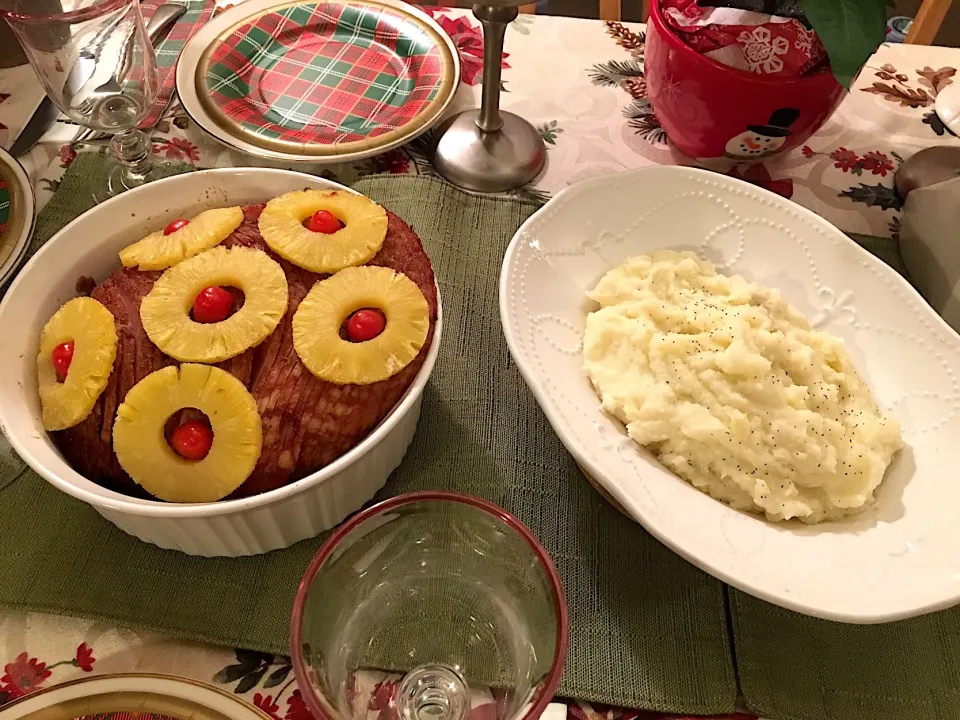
x=844, y=159
x=352, y=691
x=877, y=163
x=85, y=658
x=67, y=154
x=297, y=708
x=267, y=705
x=880, y=164
x=24, y=675
x=394, y=161
x=384, y=699
x=176, y=149
x=469, y=41
x=874, y=161
x=758, y=175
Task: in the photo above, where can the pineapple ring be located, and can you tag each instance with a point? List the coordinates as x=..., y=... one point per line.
x=165, y=311
x=92, y=329
x=281, y=225
x=158, y=251
x=145, y=455
x=317, y=322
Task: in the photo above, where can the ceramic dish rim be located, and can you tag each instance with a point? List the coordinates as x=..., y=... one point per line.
x=187, y=78
x=24, y=193
x=107, y=677
x=116, y=501
x=627, y=500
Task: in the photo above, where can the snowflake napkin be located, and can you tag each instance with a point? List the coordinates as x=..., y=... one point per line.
x=750, y=41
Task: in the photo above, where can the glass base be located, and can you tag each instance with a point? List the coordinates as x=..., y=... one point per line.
x=433, y=692
x=115, y=177
x=488, y=162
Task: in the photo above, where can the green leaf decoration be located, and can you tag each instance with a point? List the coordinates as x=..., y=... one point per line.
x=850, y=30
x=249, y=682
x=881, y=196
x=230, y=674
x=277, y=676
x=549, y=131
x=249, y=663
x=252, y=658
x=610, y=74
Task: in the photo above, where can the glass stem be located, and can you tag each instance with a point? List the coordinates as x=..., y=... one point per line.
x=133, y=149
x=494, y=21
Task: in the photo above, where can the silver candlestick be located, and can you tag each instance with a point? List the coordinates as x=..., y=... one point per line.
x=489, y=150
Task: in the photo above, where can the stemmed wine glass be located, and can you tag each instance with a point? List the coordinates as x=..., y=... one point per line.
x=450, y=592
x=96, y=63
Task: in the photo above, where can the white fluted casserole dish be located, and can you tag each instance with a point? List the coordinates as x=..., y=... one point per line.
x=88, y=247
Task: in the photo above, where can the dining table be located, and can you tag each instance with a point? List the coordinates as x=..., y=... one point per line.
x=581, y=83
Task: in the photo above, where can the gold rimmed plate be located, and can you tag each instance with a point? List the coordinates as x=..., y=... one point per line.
x=132, y=695
x=16, y=215
x=323, y=81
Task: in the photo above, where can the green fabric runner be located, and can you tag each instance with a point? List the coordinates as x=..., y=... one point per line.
x=647, y=629
x=653, y=637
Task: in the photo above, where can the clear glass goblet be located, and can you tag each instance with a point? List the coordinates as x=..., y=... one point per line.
x=97, y=65
x=448, y=591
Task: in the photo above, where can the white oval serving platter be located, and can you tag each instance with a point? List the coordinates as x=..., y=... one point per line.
x=899, y=558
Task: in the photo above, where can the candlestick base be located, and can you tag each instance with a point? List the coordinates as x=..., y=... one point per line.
x=488, y=162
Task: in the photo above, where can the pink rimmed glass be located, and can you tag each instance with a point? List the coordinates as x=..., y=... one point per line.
x=97, y=65
x=451, y=593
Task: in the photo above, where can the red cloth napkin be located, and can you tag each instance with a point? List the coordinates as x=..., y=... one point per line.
x=750, y=41
x=168, y=53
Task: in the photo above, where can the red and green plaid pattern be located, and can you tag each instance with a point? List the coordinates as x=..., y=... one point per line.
x=197, y=14
x=326, y=73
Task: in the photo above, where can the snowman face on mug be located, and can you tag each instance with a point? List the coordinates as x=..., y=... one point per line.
x=751, y=144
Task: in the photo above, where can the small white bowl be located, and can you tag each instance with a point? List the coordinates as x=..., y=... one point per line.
x=895, y=560
x=249, y=526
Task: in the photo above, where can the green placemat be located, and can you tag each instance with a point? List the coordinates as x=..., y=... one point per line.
x=646, y=628
x=793, y=667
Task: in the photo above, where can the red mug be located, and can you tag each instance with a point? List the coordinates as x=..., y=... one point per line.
x=713, y=111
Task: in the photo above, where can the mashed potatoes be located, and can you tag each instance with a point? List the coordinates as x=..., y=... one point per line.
x=733, y=390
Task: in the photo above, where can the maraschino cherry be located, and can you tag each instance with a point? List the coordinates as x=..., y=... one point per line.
x=192, y=440
x=212, y=305
x=61, y=357
x=323, y=221
x=174, y=226
x=365, y=325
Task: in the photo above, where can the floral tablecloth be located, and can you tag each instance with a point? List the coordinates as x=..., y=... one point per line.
x=581, y=83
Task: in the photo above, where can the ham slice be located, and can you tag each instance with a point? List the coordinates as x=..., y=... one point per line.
x=307, y=422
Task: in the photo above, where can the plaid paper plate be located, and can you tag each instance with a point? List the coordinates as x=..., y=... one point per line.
x=327, y=79
x=198, y=14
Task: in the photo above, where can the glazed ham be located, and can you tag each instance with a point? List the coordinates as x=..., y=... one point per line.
x=307, y=422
